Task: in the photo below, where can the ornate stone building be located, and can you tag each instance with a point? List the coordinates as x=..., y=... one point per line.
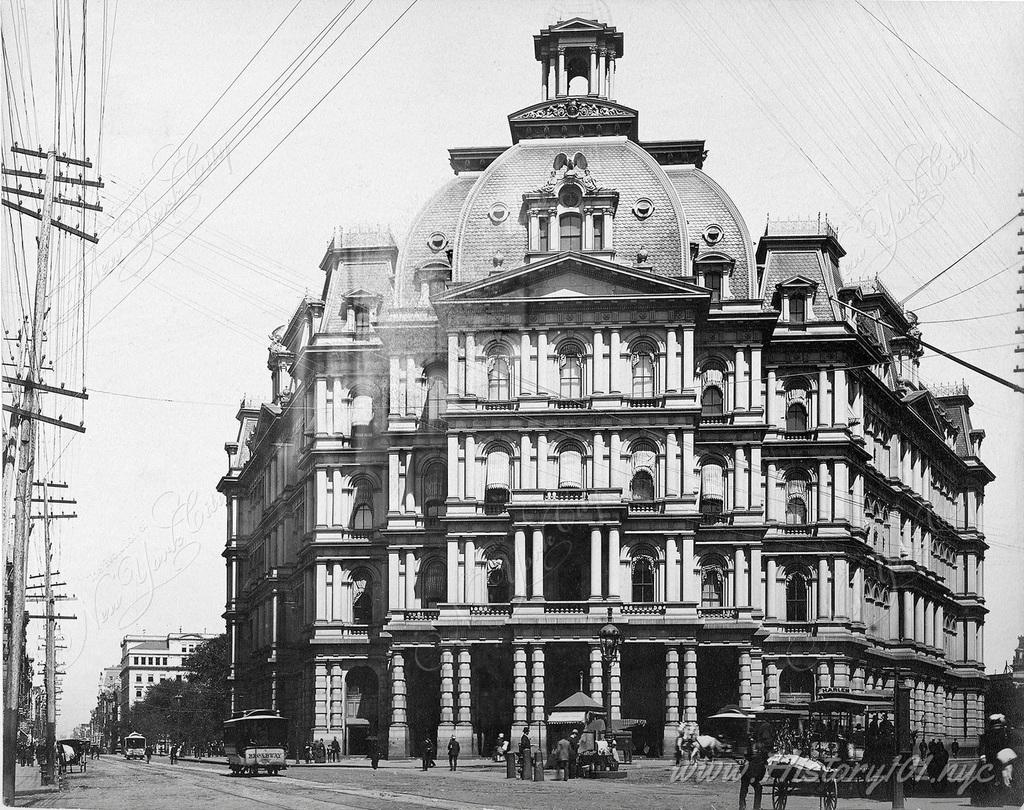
x=580, y=390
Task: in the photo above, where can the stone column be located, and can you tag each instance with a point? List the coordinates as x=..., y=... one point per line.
x=824, y=591
x=756, y=383
x=771, y=675
x=671, y=568
x=519, y=565
x=469, y=563
x=857, y=614
x=824, y=417
x=464, y=723
x=600, y=377
x=473, y=491
x=671, y=464
x=823, y=677
x=474, y=380
x=410, y=579
x=688, y=464
x=690, y=585
x=537, y=698
x=770, y=608
x=613, y=563
x=739, y=579
x=537, y=586
x=398, y=732
x=918, y=619
x=595, y=562
x=321, y=591
x=745, y=678
x=690, y=683
x=756, y=585
x=928, y=635
x=394, y=583
x=824, y=495
x=688, y=367
x=907, y=598
x=602, y=89
x=839, y=396
x=841, y=586
x=543, y=379
x=320, y=708
x=336, y=703
x=519, y=685
x=770, y=404
x=615, y=364
x=544, y=70
x=447, y=725
x=337, y=612
x=672, y=375
x=671, y=697
x=741, y=382
x=842, y=674
x=596, y=678
x=452, y=596
x=740, y=479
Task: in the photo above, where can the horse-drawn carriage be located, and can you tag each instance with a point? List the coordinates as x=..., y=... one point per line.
x=791, y=774
x=72, y=754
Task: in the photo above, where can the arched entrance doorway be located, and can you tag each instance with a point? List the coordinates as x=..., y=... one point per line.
x=360, y=709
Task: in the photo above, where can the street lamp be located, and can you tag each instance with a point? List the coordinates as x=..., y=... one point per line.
x=176, y=726
x=611, y=639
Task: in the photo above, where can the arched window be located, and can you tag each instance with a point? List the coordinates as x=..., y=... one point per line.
x=712, y=403
x=499, y=377
x=434, y=588
x=712, y=491
x=796, y=498
x=362, y=410
x=435, y=491
x=498, y=586
x=362, y=510
x=796, y=418
x=362, y=597
x=796, y=681
x=797, y=594
x=498, y=481
x=713, y=388
x=644, y=465
x=642, y=360
x=570, y=233
x=642, y=577
x=570, y=371
x=437, y=395
x=570, y=466
x=712, y=586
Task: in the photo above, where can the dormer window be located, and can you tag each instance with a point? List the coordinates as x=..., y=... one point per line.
x=570, y=233
x=362, y=315
x=713, y=281
x=797, y=310
x=543, y=236
x=598, y=232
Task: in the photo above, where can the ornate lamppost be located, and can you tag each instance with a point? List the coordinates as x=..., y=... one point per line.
x=611, y=639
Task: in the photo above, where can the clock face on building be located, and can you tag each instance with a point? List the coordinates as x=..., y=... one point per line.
x=570, y=197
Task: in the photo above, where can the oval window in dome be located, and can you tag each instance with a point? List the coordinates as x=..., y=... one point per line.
x=498, y=212
x=437, y=241
x=713, y=234
x=643, y=208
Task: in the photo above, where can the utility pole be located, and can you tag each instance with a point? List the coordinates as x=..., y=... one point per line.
x=19, y=457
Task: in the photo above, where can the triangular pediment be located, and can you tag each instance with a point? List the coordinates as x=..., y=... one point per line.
x=573, y=277
x=798, y=281
x=577, y=24
x=923, y=403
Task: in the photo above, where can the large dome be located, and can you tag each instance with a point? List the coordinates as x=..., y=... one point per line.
x=686, y=204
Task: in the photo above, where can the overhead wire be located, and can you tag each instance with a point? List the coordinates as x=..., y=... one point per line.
x=252, y=171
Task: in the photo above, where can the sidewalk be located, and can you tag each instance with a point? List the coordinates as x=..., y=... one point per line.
x=476, y=763
x=28, y=781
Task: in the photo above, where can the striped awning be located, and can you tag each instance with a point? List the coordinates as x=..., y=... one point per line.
x=499, y=470
x=644, y=457
x=362, y=410
x=796, y=488
x=570, y=469
x=712, y=483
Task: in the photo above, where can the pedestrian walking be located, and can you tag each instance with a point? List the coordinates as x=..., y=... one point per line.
x=307, y=752
x=574, y=754
x=426, y=753
x=174, y=754
x=563, y=753
x=374, y=755
x=335, y=750
x=453, y=753
x=753, y=772
x=525, y=750
x=149, y=753
x=500, y=747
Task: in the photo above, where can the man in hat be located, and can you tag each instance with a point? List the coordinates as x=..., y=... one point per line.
x=453, y=753
x=500, y=747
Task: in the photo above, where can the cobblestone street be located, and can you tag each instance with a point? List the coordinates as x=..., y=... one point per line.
x=114, y=784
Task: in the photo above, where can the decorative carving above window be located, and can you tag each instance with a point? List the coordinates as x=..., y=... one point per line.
x=498, y=212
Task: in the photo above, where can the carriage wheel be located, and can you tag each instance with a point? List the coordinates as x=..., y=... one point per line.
x=779, y=794
x=829, y=795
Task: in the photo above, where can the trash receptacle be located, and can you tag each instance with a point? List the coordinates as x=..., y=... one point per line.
x=510, y=765
x=538, y=767
x=527, y=765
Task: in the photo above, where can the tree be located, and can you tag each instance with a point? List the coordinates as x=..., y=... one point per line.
x=191, y=710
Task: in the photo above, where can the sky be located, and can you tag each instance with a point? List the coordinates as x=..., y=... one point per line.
x=901, y=122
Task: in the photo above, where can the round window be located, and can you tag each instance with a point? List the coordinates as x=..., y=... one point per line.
x=713, y=234
x=643, y=208
x=570, y=196
x=437, y=241
x=498, y=212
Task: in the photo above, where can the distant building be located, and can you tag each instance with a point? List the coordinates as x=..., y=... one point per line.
x=582, y=392
x=1006, y=690
x=148, y=660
